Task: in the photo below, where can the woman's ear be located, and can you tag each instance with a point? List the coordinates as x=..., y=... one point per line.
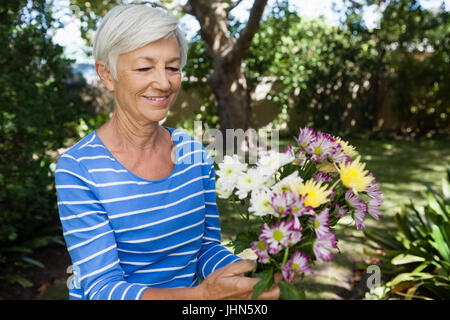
x=105, y=75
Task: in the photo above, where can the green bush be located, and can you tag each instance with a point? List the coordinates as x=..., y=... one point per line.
x=417, y=255
x=39, y=109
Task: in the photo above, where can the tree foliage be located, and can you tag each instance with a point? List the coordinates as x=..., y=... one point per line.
x=39, y=110
x=350, y=79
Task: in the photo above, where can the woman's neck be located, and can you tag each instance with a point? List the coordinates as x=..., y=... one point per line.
x=126, y=135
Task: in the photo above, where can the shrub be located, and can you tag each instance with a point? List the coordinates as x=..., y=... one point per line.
x=417, y=255
x=39, y=110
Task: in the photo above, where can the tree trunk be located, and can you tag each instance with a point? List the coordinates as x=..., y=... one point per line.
x=227, y=81
x=229, y=86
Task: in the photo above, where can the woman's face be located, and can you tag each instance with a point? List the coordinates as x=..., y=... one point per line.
x=149, y=79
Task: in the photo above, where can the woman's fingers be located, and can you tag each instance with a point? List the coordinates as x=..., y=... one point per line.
x=240, y=267
x=278, y=277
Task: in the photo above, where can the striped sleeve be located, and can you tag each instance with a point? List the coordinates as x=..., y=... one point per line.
x=89, y=237
x=212, y=255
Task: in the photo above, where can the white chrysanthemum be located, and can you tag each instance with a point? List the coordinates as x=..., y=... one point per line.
x=260, y=203
x=230, y=169
x=273, y=161
x=223, y=189
x=249, y=181
x=286, y=182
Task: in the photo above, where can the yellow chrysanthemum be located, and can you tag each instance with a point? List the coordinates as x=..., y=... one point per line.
x=317, y=194
x=354, y=176
x=346, y=147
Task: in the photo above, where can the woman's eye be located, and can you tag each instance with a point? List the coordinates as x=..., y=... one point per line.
x=143, y=69
x=173, y=69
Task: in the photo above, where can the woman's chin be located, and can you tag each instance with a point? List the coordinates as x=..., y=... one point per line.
x=157, y=115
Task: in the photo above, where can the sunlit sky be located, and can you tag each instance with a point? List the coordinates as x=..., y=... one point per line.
x=69, y=37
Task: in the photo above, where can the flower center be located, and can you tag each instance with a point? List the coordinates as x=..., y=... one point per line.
x=318, y=150
x=295, y=266
x=278, y=235
x=350, y=177
x=316, y=224
x=311, y=199
x=262, y=245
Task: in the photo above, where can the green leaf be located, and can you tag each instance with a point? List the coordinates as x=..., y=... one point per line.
x=406, y=258
x=20, y=280
x=433, y=203
x=243, y=240
x=33, y=262
x=383, y=239
x=16, y=249
x=290, y=292
x=422, y=266
x=266, y=282
x=446, y=189
x=439, y=243
x=407, y=277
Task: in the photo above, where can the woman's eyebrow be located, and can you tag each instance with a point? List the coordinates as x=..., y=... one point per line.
x=150, y=59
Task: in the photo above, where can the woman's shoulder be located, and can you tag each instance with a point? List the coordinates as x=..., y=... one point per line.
x=89, y=146
x=186, y=145
x=183, y=138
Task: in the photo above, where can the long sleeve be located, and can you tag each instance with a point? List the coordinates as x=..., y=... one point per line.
x=212, y=255
x=89, y=237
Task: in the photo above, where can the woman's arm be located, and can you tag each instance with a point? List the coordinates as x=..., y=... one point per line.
x=89, y=237
x=212, y=255
x=227, y=283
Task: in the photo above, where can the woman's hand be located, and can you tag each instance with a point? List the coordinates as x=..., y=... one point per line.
x=229, y=283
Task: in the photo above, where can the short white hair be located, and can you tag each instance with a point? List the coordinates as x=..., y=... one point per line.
x=128, y=27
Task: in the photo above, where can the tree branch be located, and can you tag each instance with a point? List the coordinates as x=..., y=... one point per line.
x=212, y=16
x=246, y=34
x=233, y=5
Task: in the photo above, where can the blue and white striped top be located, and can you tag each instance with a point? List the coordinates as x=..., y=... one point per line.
x=125, y=233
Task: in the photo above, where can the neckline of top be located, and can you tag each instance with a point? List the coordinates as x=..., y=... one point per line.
x=174, y=170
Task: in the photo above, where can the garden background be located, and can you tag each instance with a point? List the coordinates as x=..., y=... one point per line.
x=383, y=85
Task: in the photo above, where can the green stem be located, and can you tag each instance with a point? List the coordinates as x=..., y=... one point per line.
x=286, y=252
x=334, y=184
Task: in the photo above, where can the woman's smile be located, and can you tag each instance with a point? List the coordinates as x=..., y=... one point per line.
x=157, y=100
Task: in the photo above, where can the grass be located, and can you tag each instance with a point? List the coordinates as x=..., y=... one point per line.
x=399, y=167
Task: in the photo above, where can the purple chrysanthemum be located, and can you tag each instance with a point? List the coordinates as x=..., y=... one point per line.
x=340, y=211
x=321, y=223
x=322, y=147
x=373, y=208
x=291, y=204
x=279, y=236
x=298, y=263
x=338, y=155
x=373, y=191
x=323, y=246
x=359, y=206
x=260, y=249
x=285, y=202
x=322, y=177
x=305, y=137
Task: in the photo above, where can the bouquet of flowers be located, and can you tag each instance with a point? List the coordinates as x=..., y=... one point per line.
x=291, y=202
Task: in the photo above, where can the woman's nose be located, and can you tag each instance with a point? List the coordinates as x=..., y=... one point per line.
x=160, y=80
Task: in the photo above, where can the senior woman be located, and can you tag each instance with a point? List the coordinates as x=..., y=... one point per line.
x=137, y=200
